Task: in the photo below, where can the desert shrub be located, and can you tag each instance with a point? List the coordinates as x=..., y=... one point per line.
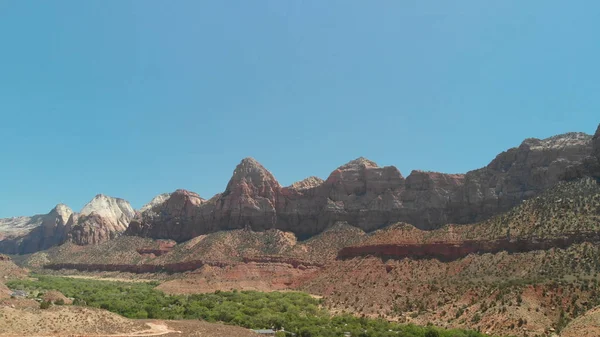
x=45, y=305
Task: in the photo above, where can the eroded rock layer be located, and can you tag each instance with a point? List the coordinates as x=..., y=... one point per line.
x=102, y=219
x=370, y=197
x=51, y=231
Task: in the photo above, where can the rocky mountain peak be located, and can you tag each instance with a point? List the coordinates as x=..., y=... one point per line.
x=106, y=206
x=182, y=197
x=565, y=140
x=360, y=162
x=157, y=200
x=62, y=208
x=251, y=172
x=307, y=183
x=103, y=218
x=62, y=211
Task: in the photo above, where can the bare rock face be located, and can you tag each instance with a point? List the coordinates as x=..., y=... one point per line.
x=101, y=219
x=90, y=229
x=517, y=174
x=363, y=194
x=175, y=215
x=157, y=200
x=360, y=193
x=19, y=225
x=116, y=210
x=368, y=196
x=248, y=200
x=308, y=183
x=593, y=162
x=51, y=231
x=427, y=196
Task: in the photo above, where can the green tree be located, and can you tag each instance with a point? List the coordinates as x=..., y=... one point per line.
x=432, y=333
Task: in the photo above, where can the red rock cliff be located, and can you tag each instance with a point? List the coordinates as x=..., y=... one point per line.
x=368, y=196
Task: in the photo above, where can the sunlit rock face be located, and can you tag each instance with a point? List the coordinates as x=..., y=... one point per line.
x=50, y=230
x=368, y=196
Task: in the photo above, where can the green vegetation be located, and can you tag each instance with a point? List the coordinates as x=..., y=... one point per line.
x=296, y=312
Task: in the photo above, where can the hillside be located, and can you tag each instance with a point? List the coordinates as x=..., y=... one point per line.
x=532, y=290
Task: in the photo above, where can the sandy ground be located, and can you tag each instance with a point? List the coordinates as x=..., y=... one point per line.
x=22, y=318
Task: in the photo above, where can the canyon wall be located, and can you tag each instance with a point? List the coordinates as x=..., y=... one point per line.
x=368, y=196
x=359, y=193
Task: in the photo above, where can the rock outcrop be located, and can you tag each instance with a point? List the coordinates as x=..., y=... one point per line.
x=517, y=174
x=306, y=184
x=359, y=193
x=173, y=214
x=590, y=166
x=368, y=196
x=51, y=231
x=449, y=250
x=18, y=225
x=157, y=200
x=101, y=219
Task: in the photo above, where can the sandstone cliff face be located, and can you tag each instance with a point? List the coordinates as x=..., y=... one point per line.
x=51, y=231
x=157, y=200
x=101, y=219
x=590, y=165
x=306, y=184
x=18, y=225
x=175, y=216
x=359, y=193
x=248, y=201
x=368, y=196
x=517, y=174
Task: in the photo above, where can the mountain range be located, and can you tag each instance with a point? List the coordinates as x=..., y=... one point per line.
x=359, y=193
x=510, y=248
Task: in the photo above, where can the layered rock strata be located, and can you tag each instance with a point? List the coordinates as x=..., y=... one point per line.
x=368, y=196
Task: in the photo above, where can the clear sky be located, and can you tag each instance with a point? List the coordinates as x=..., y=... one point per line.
x=136, y=98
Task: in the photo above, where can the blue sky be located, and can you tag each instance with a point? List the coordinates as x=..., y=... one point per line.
x=136, y=98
